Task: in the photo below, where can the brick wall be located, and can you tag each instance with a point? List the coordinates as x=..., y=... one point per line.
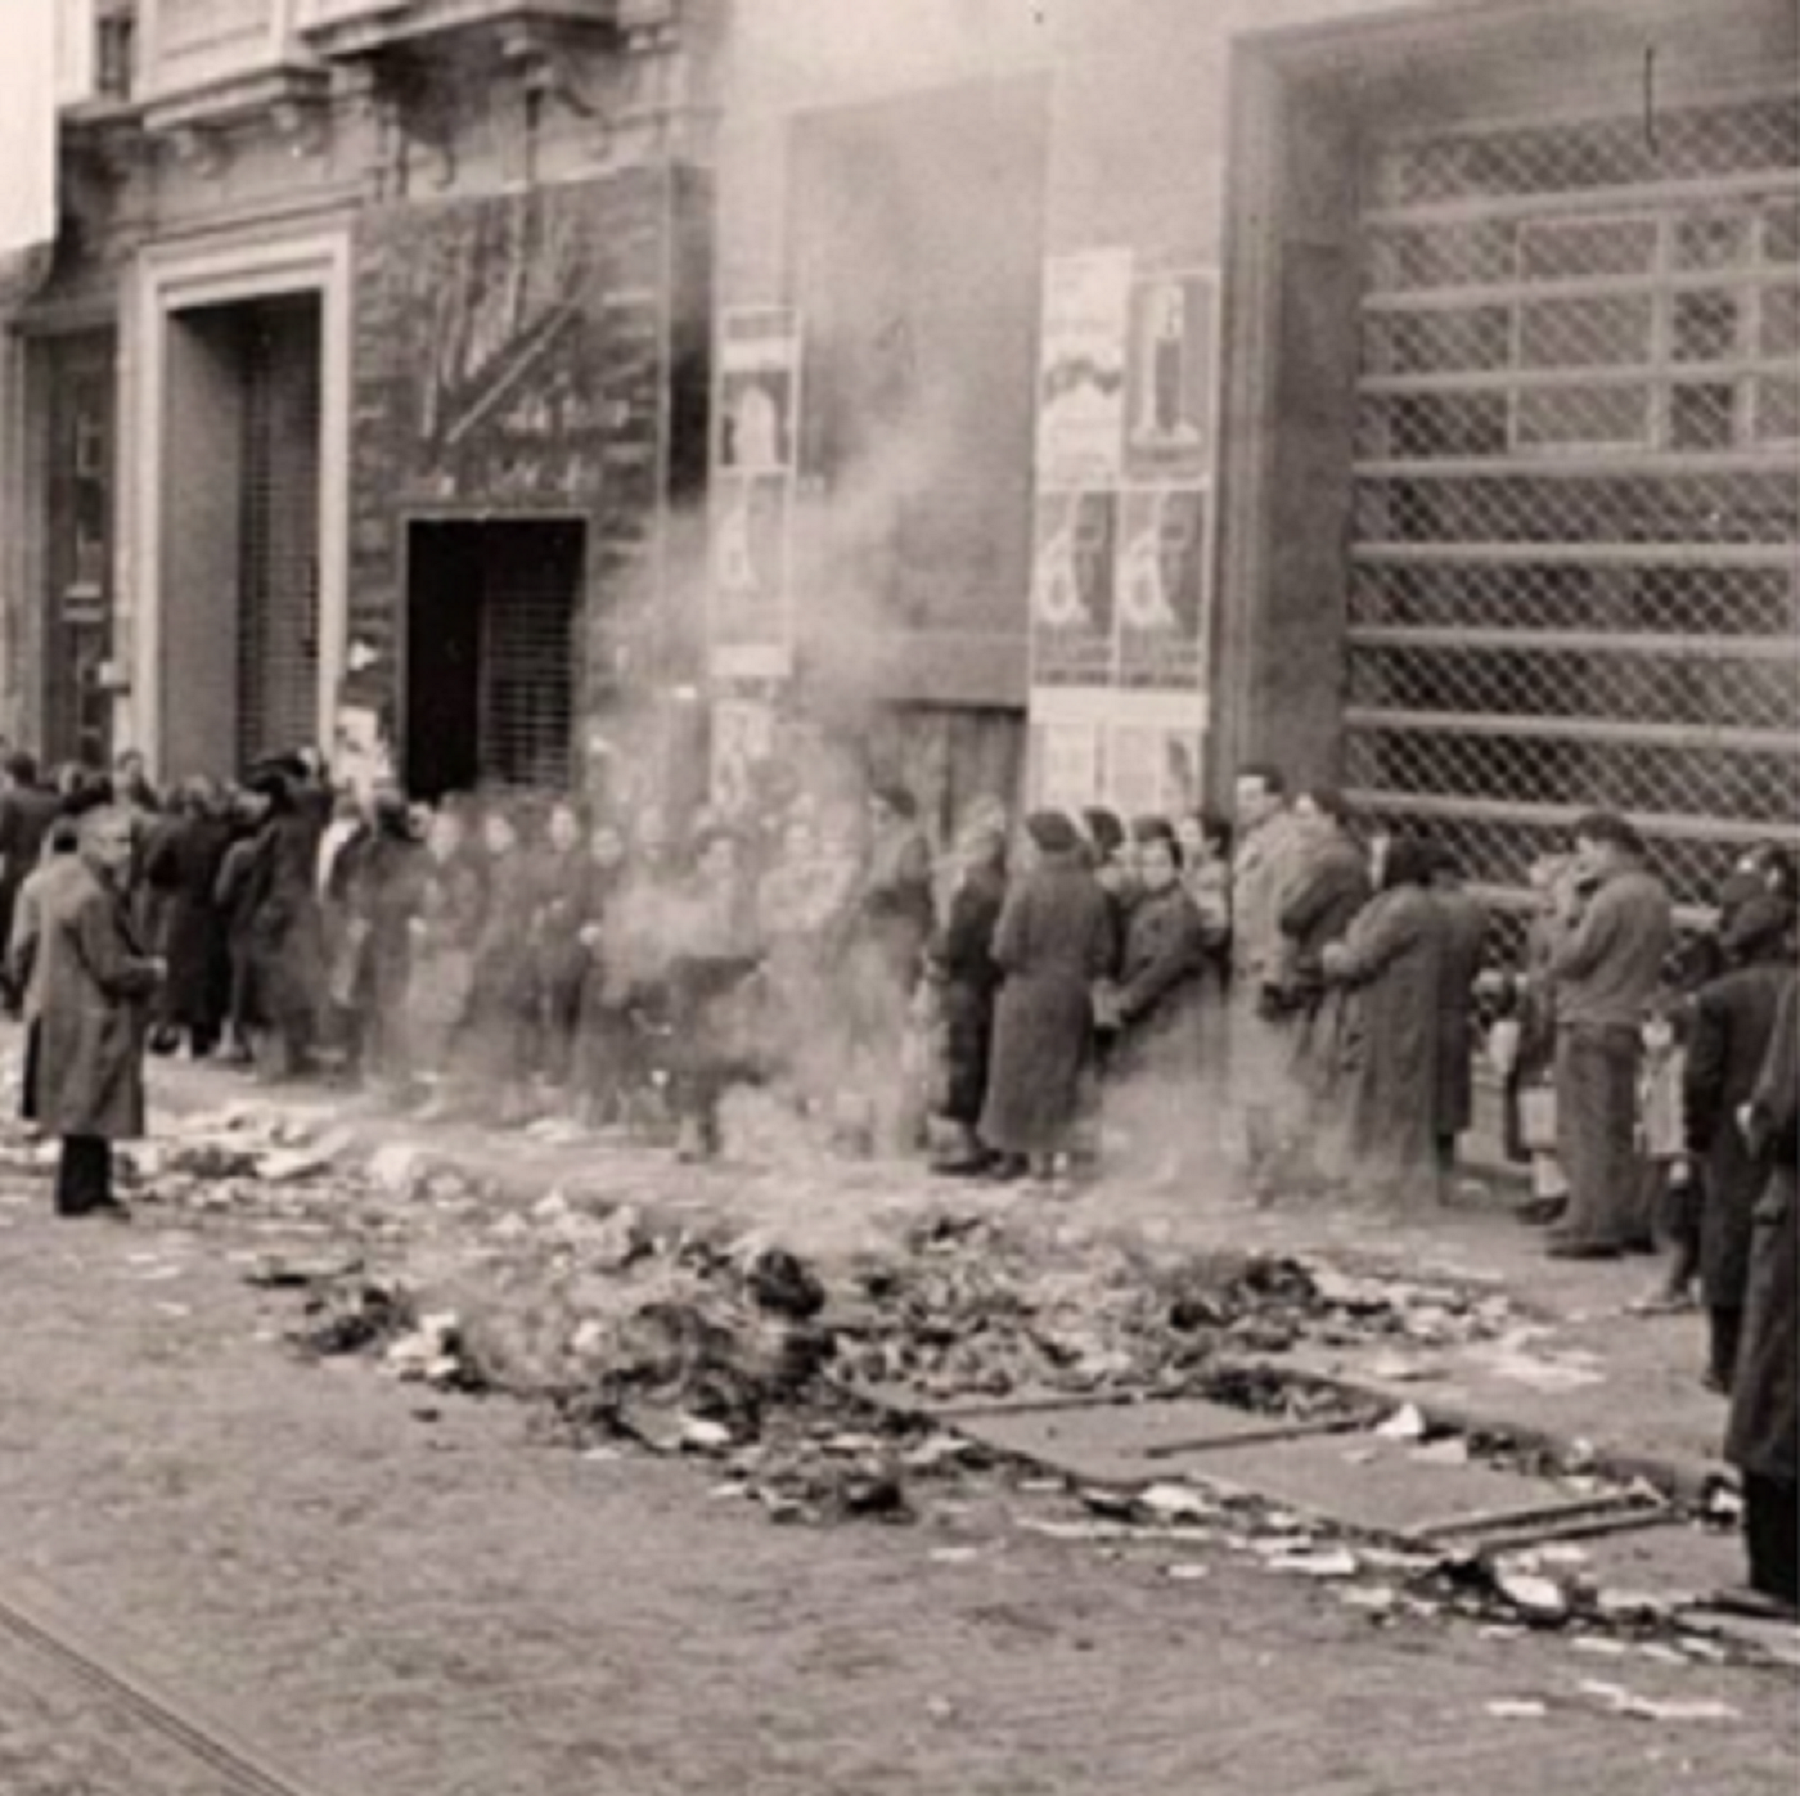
x=512, y=358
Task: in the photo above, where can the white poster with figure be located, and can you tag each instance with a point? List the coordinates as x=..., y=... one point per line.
x=750, y=524
x=1172, y=377
x=1081, y=386
x=1161, y=586
x=758, y=398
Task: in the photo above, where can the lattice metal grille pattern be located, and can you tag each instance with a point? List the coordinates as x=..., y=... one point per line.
x=1576, y=569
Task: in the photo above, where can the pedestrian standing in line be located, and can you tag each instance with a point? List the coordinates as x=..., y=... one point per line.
x=603, y=1057
x=1763, y=1438
x=890, y=924
x=441, y=933
x=1329, y=890
x=495, y=1047
x=1156, y=1005
x=1392, y=962
x=1465, y=948
x=1615, y=925
x=560, y=905
x=284, y=932
x=1670, y=1184
x=1522, y=1046
x=1205, y=839
x=962, y=961
x=1053, y=944
x=96, y=990
x=1733, y=1022
x=1263, y=1100
x=182, y=862
x=28, y=808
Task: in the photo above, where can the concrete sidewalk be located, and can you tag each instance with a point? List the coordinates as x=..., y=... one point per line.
x=1574, y=1368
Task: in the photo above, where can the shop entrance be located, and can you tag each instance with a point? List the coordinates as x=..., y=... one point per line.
x=492, y=644
x=240, y=637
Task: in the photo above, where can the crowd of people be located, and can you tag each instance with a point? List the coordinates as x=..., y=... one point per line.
x=1047, y=999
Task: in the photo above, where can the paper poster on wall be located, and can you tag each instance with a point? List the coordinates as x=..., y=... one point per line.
x=750, y=556
x=1066, y=764
x=1171, y=377
x=1073, y=571
x=759, y=377
x=1081, y=392
x=1161, y=585
x=1152, y=769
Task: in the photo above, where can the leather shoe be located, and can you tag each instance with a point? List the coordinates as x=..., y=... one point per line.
x=1566, y=1249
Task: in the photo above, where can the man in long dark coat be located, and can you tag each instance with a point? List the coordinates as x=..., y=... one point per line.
x=97, y=983
x=1763, y=1440
x=1733, y=1021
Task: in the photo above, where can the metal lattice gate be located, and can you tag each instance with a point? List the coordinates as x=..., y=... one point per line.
x=278, y=648
x=1576, y=553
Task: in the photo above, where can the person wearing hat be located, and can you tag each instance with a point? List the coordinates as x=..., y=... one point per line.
x=1732, y=1024
x=1613, y=929
x=93, y=983
x=1053, y=944
x=968, y=979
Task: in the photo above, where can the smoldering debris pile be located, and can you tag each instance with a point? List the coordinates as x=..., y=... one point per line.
x=689, y=1339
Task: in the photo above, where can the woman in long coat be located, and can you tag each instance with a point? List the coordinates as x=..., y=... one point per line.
x=1392, y=964
x=182, y=863
x=285, y=936
x=1157, y=1000
x=1053, y=943
x=1763, y=1440
x=968, y=977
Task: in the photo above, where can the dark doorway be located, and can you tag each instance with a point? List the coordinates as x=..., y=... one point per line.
x=492, y=640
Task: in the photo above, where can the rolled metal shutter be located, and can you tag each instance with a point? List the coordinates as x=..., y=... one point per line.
x=1576, y=546
x=278, y=656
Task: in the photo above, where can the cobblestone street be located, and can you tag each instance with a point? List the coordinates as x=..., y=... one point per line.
x=391, y=1590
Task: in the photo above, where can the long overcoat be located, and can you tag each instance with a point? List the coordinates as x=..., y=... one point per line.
x=283, y=929
x=1161, y=990
x=1465, y=943
x=1053, y=941
x=1763, y=1438
x=182, y=862
x=96, y=986
x=1733, y=1024
x=964, y=957
x=1392, y=963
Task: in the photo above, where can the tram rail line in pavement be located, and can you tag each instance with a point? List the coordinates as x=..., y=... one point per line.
x=35, y=1624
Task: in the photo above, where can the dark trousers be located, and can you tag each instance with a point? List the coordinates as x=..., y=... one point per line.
x=1772, y=1537
x=1725, y=1331
x=1596, y=1118
x=83, y=1175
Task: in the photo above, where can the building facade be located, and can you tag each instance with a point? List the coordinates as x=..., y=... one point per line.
x=369, y=373
x=1061, y=401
